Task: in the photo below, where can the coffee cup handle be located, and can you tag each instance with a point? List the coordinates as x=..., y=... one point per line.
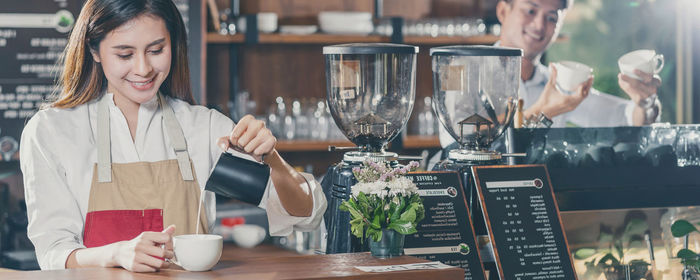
x=659, y=62
x=174, y=259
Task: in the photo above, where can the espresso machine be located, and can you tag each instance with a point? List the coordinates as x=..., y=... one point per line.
x=370, y=93
x=475, y=90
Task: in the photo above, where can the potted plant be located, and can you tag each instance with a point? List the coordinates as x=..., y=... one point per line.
x=384, y=207
x=691, y=260
x=609, y=258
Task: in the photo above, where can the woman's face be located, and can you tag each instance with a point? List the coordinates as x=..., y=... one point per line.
x=135, y=58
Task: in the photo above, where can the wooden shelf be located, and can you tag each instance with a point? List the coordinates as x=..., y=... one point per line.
x=421, y=142
x=410, y=142
x=310, y=145
x=445, y=40
x=216, y=38
x=321, y=38
x=316, y=38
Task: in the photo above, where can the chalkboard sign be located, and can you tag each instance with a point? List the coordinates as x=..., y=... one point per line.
x=523, y=221
x=446, y=234
x=33, y=35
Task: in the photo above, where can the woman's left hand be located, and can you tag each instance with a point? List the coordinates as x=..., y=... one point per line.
x=251, y=136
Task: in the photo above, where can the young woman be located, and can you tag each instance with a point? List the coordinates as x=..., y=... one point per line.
x=122, y=151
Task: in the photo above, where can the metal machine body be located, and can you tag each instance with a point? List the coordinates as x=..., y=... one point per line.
x=370, y=93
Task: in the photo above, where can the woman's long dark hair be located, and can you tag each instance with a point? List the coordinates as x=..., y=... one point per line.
x=82, y=79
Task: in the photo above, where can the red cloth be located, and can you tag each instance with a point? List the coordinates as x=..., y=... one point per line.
x=109, y=226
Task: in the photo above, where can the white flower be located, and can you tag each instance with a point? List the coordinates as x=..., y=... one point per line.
x=401, y=185
x=377, y=188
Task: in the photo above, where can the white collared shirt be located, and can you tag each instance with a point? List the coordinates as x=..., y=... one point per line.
x=58, y=151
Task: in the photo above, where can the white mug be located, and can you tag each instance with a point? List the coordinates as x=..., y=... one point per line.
x=248, y=236
x=267, y=23
x=197, y=252
x=571, y=74
x=647, y=61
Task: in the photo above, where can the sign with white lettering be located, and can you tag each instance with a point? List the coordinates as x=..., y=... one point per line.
x=523, y=221
x=33, y=34
x=446, y=234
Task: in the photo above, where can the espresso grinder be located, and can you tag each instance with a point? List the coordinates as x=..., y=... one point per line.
x=475, y=89
x=370, y=93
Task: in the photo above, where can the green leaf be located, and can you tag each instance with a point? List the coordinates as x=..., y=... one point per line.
x=420, y=212
x=396, y=213
x=415, y=198
x=377, y=220
x=635, y=227
x=352, y=203
x=403, y=227
x=363, y=203
x=635, y=241
x=687, y=254
x=693, y=263
x=409, y=215
x=357, y=227
x=619, y=250
x=354, y=213
x=682, y=228
x=584, y=253
x=375, y=234
x=608, y=257
x=343, y=206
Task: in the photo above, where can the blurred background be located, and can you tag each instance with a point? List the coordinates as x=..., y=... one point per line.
x=276, y=72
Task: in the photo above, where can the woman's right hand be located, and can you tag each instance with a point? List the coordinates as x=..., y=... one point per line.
x=146, y=252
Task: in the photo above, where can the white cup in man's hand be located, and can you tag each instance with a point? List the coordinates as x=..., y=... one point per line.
x=647, y=61
x=571, y=74
x=197, y=252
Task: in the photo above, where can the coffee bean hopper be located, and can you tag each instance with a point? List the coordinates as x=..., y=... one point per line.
x=475, y=89
x=370, y=92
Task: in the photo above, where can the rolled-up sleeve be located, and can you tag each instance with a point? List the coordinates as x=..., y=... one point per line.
x=55, y=222
x=281, y=223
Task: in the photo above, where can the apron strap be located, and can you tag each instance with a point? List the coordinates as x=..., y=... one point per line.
x=177, y=139
x=172, y=127
x=104, y=149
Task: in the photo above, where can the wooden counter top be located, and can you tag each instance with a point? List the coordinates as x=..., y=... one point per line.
x=263, y=262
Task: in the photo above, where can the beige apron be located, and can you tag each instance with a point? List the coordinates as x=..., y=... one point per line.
x=127, y=199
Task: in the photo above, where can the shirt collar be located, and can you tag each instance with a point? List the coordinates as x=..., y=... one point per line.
x=150, y=105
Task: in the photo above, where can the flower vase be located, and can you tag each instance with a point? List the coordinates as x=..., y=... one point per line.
x=391, y=245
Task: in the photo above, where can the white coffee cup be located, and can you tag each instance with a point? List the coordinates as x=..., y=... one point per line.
x=248, y=236
x=571, y=74
x=647, y=61
x=267, y=23
x=197, y=252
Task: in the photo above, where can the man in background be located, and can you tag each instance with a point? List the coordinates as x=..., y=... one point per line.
x=533, y=25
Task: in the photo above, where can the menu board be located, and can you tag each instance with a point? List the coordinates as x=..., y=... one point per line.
x=523, y=221
x=446, y=234
x=33, y=35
